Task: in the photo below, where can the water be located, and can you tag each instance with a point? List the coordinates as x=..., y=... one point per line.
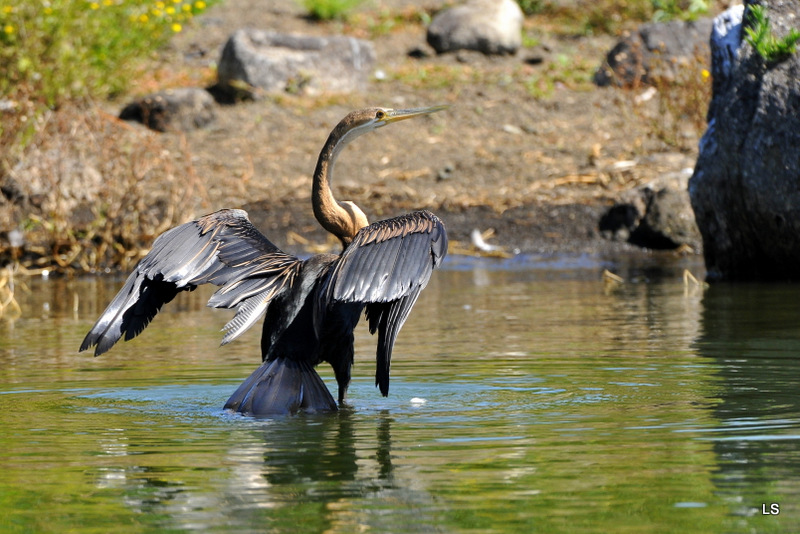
x=526, y=396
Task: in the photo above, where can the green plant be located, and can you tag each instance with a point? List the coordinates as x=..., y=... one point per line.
x=568, y=70
x=385, y=21
x=64, y=50
x=529, y=7
x=761, y=38
x=665, y=10
x=584, y=17
x=329, y=9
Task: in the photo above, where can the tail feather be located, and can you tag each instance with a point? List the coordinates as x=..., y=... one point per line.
x=281, y=387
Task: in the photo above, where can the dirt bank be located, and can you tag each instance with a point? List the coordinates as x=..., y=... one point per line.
x=528, y=148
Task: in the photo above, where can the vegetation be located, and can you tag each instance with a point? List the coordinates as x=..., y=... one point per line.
x=91, y=191
x=679, y=9
x=610, y=16
x=567, y=70
x=761, y=38
x=61, y=55
x=683, y=97
x=329, y=9
x=375, y=24
x=64, y=50
x=529, y=7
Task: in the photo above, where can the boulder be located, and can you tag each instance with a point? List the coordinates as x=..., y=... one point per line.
x=657, y=215
x=181, y=109
x=256, y=61
x=746, y=185
x=488, y=26
x=654, y=50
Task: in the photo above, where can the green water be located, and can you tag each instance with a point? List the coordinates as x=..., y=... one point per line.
x=524, y=398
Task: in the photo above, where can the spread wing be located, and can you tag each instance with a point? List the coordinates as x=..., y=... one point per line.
x=386, y=267
x=223, y=249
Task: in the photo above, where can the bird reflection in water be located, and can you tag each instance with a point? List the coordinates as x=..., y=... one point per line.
x=326, y=449
x=310, y=306
x=323, y=469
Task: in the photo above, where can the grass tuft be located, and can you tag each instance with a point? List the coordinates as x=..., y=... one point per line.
x=329, y=9
x=760, y=36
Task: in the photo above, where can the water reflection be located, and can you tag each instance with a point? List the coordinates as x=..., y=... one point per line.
x=751, y=334
x=324, y=472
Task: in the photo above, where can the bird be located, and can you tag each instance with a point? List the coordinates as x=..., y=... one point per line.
x=310, y=306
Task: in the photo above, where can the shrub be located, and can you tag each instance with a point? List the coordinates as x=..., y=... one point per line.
x=66, y=49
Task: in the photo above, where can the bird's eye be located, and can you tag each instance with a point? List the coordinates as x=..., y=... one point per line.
x=380, y=114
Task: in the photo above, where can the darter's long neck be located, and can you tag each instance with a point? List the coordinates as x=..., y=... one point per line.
x=342, y=219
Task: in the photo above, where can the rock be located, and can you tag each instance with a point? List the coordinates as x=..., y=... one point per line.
x=488, y=26
x=657, y=215
x=654, y=50
x=182, y=109
x=275, y=62
x=746, y=185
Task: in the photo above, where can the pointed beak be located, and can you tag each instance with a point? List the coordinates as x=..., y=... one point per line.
x=394, y=115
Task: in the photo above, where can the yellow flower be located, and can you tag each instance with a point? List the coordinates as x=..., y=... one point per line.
x=48, y=10
x=143, y=18
x=170, y=10
x=8, y=9
x=108, y=2
x=8, y=29
x=157, y=12
x=160, y=5
x=705, y=74
x=186, y=7
x=94, y=5
x=200, y=5
x=176, y=27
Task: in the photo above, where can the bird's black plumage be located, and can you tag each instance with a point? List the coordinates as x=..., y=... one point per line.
x=310, y=307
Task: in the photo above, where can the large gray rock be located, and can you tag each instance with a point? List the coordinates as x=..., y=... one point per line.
x=276, y=62
x=488, y=26
x=746, y=186
x=183, y=109
x=656, y=49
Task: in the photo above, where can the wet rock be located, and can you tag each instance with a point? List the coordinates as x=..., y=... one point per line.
x=488, y=26
x=654, y=50
x=256, y=61
x=657, y=215
x=746, y=185
x=181, y=109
